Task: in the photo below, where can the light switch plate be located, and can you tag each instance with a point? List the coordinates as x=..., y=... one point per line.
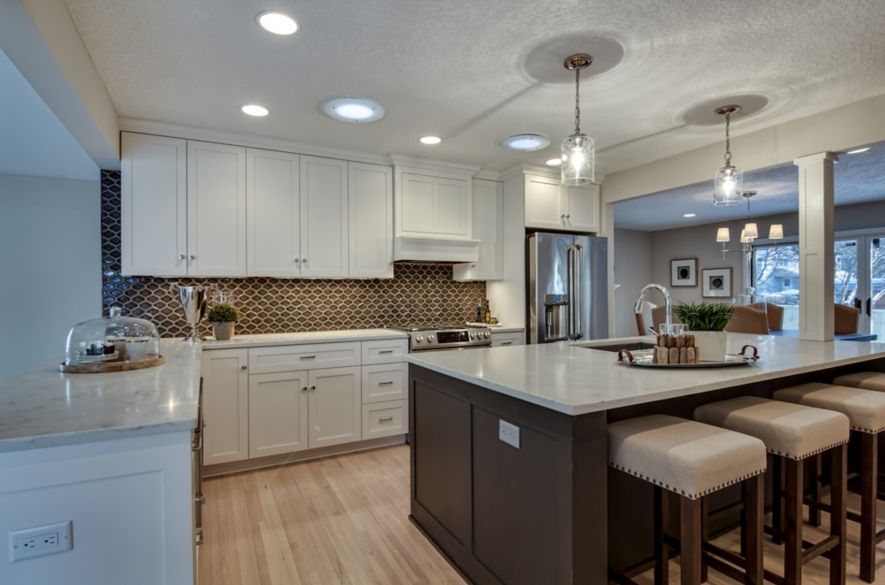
x=509, y=433
x=40, y=541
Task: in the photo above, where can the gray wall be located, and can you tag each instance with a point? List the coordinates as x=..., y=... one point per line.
x=50, y=266
x=632, y=271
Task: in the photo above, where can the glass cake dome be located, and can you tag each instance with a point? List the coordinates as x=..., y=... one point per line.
x=112, y=339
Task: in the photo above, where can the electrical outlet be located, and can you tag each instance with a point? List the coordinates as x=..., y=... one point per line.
x=508, y=433
x=40, y=541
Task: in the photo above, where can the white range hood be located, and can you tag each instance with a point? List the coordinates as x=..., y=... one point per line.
x=432, y=211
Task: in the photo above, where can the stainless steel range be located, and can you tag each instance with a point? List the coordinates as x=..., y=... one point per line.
x=436, y=336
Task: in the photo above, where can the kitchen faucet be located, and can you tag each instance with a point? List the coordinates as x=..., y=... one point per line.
x=668, y=304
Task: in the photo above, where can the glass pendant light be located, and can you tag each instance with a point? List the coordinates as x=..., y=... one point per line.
x=728, y=182
x=578, y=150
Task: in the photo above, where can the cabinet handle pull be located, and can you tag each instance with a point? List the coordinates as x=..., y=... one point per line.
x=244, y=367
x=201, y=499
x=385, y=351
x=308, y=357
x=506, y=343
x=385, y=419
x=385, y=383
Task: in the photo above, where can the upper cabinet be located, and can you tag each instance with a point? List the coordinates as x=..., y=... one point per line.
x=370, y=210
x=273, y=212
x=432, y=211
x=488, y=228
x=216, y=209
x=324, y=228
x=552, y=205
x=154, y=205
x=203, y=209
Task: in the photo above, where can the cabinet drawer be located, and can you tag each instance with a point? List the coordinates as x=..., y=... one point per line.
x=383, y=419
x=385, y=382
x=517, y=338
x=385, y=351
x=289, y=358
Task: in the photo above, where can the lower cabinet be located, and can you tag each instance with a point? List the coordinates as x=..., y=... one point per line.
x=334, y=401
x=508, y=338
x=278, y=405
x=225, y=406
x=383, y=419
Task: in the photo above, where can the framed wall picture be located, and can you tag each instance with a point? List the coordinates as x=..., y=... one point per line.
x=716, y=282
x=684, y=272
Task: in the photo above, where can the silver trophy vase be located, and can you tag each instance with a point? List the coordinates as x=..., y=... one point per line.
x=194, y=301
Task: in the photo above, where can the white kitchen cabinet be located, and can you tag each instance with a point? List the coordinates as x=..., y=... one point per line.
x=154, y=205
x=552, y=205
x=287, y=358
x=385, y=419
x=278, y=405
x=334, y=407
x=385, y=351
x=225, y=406
x=370, y=211
x=385, y=382
x=488, y=228
x=434, y=206
x=508, y=338
x=273, y=204
x=216, y=209
x=324, y=226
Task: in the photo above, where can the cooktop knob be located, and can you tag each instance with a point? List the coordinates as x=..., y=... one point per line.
x=430, y=338
x=485, y=335
x=419, y=339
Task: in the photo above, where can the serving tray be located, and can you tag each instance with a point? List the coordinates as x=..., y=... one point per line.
x=149, y=361
x=644, y=358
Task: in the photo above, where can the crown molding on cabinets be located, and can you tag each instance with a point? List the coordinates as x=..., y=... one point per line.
x=436, y=167
x=248, y=140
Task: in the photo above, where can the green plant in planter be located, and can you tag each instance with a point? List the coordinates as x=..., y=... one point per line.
x=704, y=316
x=223, y=313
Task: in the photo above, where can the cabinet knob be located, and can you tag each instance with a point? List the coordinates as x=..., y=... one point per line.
x=181, y=256
x=243, y=367
x=568, y=215
x=192, y=257
x=312, y=388
x=304, y=260
x=304, y=389
x=297, y=260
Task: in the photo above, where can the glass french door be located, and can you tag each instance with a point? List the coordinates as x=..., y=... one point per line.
x=860, y=280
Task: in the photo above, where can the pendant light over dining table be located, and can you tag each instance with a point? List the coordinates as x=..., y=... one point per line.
x=728, y=183
x=578, y=150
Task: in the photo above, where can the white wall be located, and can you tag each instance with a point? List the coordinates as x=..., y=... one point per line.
x=50, y=266
x=632, y=271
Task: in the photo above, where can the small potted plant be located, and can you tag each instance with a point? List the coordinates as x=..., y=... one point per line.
x=706, y=322
x=222, y=317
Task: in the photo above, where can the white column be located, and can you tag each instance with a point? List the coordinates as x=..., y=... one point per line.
x=816, y=240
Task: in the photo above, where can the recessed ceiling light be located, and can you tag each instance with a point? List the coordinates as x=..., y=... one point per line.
x=255, y=110
x=526, y=142
x=353, y=109
x=858, y=150
x=554, y=162
x=277, y=23
x=689, y=215
x=430, y=140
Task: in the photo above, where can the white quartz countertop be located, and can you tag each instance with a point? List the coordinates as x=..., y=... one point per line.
x=259, y=340
x=575, y=379
x=46, y=408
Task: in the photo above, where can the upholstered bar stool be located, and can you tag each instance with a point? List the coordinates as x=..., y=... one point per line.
x=792, y=433
x=865, y=410
x=865, y=380
x=692, y=460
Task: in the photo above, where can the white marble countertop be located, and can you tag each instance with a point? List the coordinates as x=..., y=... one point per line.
x=46, y=408
x=576, y=379
x=267, y=339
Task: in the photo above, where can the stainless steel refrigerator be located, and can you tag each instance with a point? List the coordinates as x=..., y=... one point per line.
x=567, y=287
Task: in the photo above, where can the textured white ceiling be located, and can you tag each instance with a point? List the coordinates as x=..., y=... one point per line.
x=32, y=139
x=462, y=69
x=859, y=178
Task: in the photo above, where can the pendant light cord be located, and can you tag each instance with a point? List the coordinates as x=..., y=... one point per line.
x=577, y=101
x=728, y=141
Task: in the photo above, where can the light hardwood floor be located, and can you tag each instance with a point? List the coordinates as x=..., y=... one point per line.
x=344, y=521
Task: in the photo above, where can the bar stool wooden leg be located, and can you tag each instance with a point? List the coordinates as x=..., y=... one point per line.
x=793, y=492
x=751, y=528
x=869, y=456
x=777, y=510
x=838, y=516
x=662, y=550
x=814, y=473
x=690, y=537
x=704, y=534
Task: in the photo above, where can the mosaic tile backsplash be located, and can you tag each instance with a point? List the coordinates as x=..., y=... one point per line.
x=417, y=293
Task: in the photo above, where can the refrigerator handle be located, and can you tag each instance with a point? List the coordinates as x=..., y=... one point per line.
x=577, y=300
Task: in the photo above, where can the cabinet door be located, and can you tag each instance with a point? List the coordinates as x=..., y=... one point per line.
x=544, y=207
x=225, y=405
x=323, y=217
x=516, y=338
x=434, y=206
x=277, y=413
x=334, y=408
x=370, y=209
x=385, y=382
x=273, y=214
x=216, y=209
x=488, y=227
x=154, y=205
x=583, y=208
